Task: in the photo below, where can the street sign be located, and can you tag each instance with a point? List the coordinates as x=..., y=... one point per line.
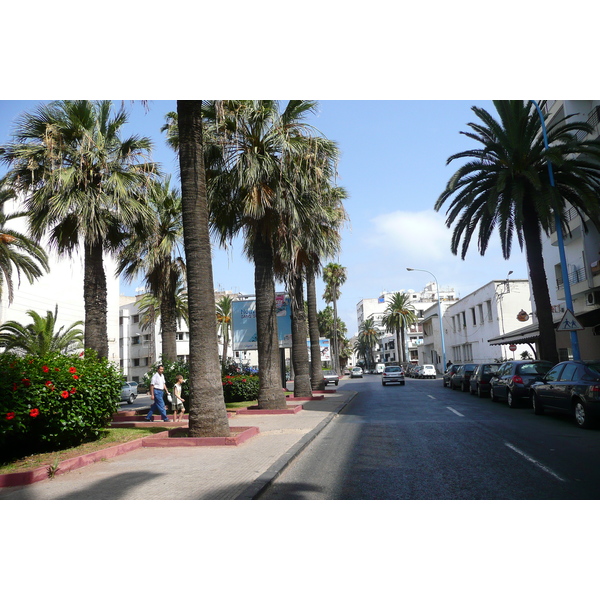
x=512, y=347
x=569, y=323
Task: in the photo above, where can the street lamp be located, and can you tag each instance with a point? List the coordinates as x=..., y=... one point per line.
x=437, y=289
x=559, y=239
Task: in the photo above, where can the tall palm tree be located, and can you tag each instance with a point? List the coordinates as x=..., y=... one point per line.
x=39, y=338
x=208, y=416
x=253, y=192
x=159, y=255
x=18, y=253
x=398, y=315
x=224, y=319
x=334, y=276
x=83, y=185
x=368, y=335
x=505, y=185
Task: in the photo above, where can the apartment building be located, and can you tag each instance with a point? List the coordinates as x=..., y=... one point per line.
x=494, y=309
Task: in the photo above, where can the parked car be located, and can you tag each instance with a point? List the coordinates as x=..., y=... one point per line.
x=356, y=372
x=460, y=379
x=514, y=378
x=427, y=372
x=572, y=387
x=480, y=380
x=330, y=377
x=379, y=367
x=392, y=374
x=448, y=374
x=417, y=371
x=129, y=391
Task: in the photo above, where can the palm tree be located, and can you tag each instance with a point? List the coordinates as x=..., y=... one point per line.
x=398, y=315
x=18, y=253
x=253, y=192
x=505, y=185
x=159, y=255
x=208, y=416
x=368, y=336
x=224, y=315
x=40, y=338
x=334, y=276
x=83, y=185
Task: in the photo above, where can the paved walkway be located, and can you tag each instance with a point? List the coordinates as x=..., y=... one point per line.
x=199, y=473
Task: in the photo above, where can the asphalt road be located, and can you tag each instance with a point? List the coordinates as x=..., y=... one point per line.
x=422, y=441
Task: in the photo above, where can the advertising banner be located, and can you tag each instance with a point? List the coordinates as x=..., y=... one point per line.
x=324, y=347
x=243, y=316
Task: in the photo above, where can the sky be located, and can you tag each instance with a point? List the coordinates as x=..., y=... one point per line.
x=393, y=167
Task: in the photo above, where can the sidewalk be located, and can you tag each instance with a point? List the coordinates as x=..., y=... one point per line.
x=199, y=473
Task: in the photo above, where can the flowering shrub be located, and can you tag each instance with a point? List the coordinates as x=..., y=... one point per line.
x=54, y=401
x=240, y=388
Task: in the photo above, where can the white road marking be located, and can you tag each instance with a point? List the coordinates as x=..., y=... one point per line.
x=430, y=396
x=454, y=411
x=535, y=462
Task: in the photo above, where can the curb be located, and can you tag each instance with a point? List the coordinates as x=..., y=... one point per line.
x=264, y=481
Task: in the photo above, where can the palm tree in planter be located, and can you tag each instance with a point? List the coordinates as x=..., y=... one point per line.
x=334, y=276
x=368, y=335
x=83, y=186
x=40, y=337
x=253, y=192
x=398, y=315
x=505, y=185
x=224, y=314
x=19, y=254
x=208, y=415
x=158, y=254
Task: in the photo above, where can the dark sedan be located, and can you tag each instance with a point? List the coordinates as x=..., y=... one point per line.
x=460, y=379
x=572, y=387
x=448, y=374
x=513, y=380
x=480, y=380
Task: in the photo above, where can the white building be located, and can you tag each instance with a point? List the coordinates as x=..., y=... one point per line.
x=469, y=323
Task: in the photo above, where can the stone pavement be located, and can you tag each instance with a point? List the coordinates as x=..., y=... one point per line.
x=198, y=473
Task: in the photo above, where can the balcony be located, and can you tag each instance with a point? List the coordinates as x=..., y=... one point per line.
x=574, y=231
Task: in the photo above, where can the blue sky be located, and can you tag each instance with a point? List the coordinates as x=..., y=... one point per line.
x=393, y=156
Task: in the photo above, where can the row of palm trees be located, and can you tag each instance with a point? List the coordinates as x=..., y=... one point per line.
x=246, y=168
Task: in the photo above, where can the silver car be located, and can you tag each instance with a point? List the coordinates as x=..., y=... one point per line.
x=392, y=374
x=129, y=391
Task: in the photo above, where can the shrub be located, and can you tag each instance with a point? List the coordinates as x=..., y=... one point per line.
x=55, y=401
x=240, y=388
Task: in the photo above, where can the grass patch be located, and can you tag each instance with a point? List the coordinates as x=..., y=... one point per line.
x=234, y=405
x=110, y=437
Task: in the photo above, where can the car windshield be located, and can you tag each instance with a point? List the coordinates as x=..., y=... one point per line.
x=594, y=366
x=534, y=368
x=329, y=373
x=392, y=369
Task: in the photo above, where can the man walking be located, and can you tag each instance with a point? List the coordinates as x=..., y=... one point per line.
x=158, y=388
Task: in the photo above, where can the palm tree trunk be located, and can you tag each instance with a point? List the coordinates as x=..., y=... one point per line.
x=95, y=300
x=168, y=319
x=316, y=368
x=336, y=358
x=302, y=386
x=403, y=338
x=208, y=416
x=270, y=394
x=539, y=286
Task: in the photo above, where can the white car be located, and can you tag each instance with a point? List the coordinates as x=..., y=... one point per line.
x=356, y=372
x=427, y=372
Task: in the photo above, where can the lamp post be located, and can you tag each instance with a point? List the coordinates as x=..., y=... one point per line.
x=437, y=289
x=559, y=239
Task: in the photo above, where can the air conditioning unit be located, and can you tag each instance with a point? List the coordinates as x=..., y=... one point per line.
x=592, y=299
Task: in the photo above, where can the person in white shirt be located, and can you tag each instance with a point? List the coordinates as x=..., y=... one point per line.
x=158, y=388
x=178, y=407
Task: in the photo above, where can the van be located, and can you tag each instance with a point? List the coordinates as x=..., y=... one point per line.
x=379, y=367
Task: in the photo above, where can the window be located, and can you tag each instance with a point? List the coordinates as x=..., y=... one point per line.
x=136, y=362
x=135, y=339
x=468, y=351
x=136, y=319
x=480, y=307
x=453, y=325
x=553, y=373
x=488, y=304
x=569, y=373
x=464, y=319
x=147, y=337
x=473, y=316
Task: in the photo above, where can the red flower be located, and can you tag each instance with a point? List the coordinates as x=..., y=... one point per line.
x=34, y=412
x=56, y=369
x=15, y=387
x=73, y=390
x=64, y=394
x=26, y=382
x=75, y=376
x=243, y=381
x=45, y=369
x=10, y=415
x=50, y=385
x=72, y=370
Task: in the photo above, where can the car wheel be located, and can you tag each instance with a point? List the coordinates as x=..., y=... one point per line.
x=463, y=387
x=492, y=395
x=538, y=407
x=512, y=401
x=480, y=394
x=383, y=383
x=336, y=382
x=131, y=399
x=402, y=383
x=582, y=418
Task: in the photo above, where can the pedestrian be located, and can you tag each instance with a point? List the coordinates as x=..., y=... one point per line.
x=178, y=406
x=158, y=388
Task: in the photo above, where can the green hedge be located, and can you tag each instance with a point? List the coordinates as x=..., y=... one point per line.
x=240, y=388
x=55, y=401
